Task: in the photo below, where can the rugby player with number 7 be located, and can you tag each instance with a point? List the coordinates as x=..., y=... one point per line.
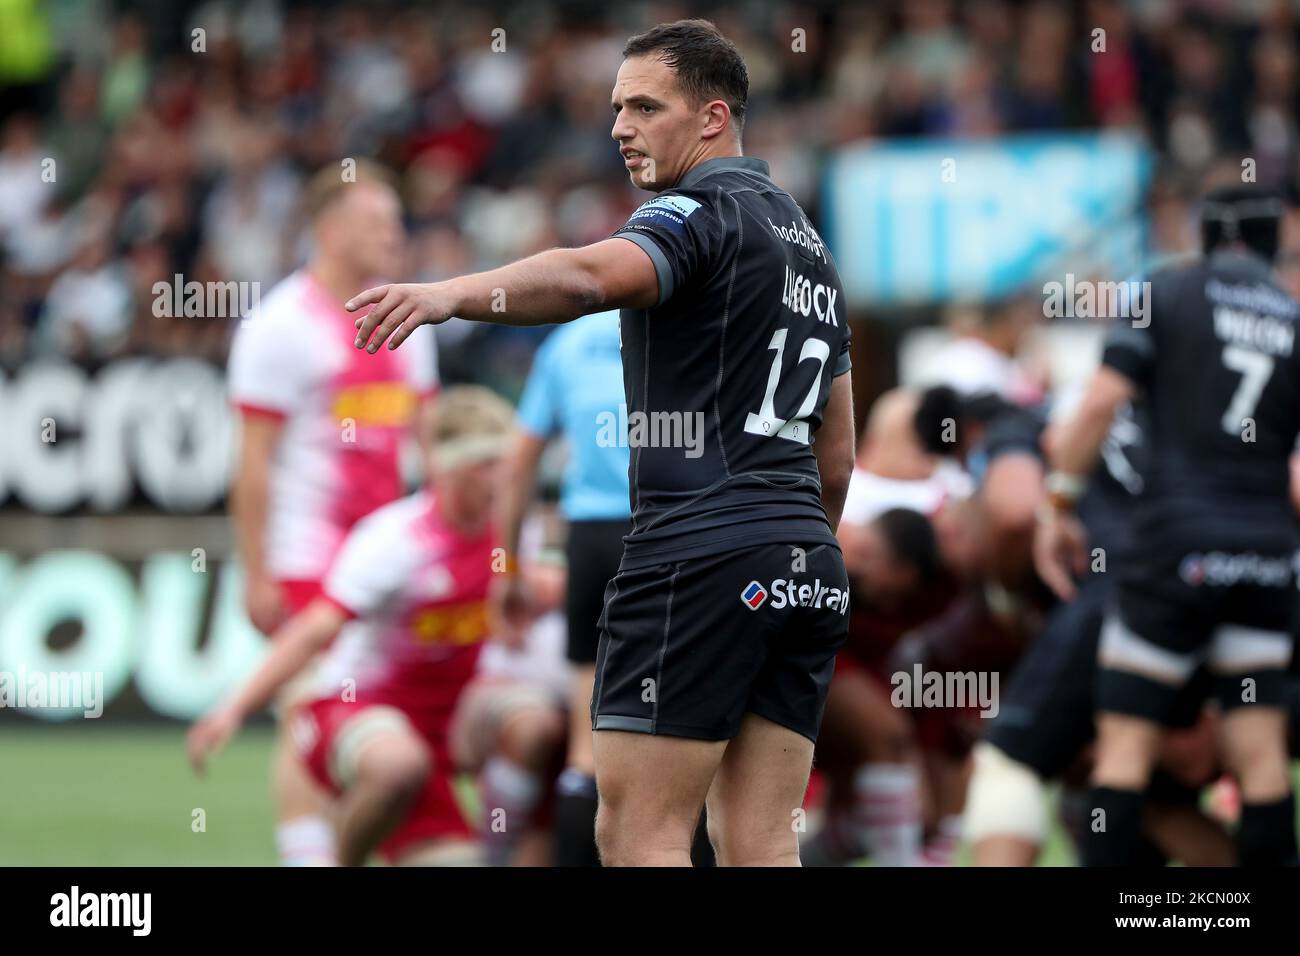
x=1211, y=579
x=719, y=632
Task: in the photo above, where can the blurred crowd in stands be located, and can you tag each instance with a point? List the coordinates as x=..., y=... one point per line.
x=181, y=133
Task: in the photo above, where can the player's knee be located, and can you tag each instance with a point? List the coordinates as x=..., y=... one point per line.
x=533, y=737
x=768, y=839
x=628, y=835
x=774, y=847
x=1257, y=758
x=1005, y=799
x=398, y=767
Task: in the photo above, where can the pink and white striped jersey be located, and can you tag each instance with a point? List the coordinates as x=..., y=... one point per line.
x=346, y=415
x=417, y=590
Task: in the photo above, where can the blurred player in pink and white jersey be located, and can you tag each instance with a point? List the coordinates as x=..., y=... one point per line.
x=413, y=577
x=321, y=434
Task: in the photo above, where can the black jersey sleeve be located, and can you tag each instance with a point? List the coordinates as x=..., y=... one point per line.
x=842, y=362
x=680, y=233
x=1129, y=347
x=1017, y=431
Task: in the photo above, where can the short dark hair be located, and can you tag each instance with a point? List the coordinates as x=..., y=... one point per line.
x=1245, y=214
x=912, y=542
x=708, y=65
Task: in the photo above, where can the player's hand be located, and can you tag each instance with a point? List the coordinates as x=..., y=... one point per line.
x=264, y=601
x=510, y=610
x=209, y=735
x=1060, y=551
x=398, y=311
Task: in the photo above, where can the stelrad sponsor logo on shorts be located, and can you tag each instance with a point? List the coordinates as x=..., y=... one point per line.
x=1221, y=569
x=785, y=593
x=133, y=910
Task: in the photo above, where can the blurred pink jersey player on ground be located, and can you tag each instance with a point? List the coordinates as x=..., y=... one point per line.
x=406, y=596
x=321, y=436
x=510, y=728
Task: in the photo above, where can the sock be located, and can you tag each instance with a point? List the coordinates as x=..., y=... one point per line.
x=835, y=844
x=306, y=841
x=942, y=846
x=575, y=819
x=1266, y=836
x=887, y=813
x=1119, y=843
x=510, y=794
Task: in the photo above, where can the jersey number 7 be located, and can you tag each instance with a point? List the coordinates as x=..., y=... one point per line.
x=1255, y=369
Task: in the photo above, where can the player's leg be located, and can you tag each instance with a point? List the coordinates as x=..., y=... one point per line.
x=757, y=799
x=592, y=552
x=1250, y=668
x=512, y=734
x=652, y=789
x=1181, y=832
x=1139, y=681
x=1044, y=722
x=757, y=795
x=304, y=835
x=675, y=669
x=575, y=790
x=382, y=765
x=1006, y=815
x=864, y=732
x=305, y=831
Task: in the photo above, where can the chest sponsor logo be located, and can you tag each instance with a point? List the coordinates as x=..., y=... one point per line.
x=458, y=624
x=802, y=297
x=375, y=405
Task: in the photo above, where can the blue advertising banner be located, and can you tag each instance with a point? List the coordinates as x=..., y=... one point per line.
x=915, y=222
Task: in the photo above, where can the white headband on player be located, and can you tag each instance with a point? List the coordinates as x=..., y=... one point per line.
x=469, y=450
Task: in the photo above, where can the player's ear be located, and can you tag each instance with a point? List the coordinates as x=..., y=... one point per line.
x=717, y=117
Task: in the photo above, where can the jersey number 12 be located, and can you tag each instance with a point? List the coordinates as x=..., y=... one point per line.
x=766, y=422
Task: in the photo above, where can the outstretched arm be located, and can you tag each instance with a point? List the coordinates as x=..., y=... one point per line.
x=292, y=646
x=553, y=286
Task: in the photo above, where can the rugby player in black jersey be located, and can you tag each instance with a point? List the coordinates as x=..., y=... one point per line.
x=1044, y=728
x=1211, y=579
x=720, y=630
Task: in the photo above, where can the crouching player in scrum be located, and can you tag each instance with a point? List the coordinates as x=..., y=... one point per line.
x=413, y=577
x=510, y=728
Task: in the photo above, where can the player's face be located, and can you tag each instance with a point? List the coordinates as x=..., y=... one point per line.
x=657, y=130
x=367, y=225
x=472, y=489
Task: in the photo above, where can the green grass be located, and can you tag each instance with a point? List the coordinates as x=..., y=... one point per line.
x=125, y=796
x=105, y=795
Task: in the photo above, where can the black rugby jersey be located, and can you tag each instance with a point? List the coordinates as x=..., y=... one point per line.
x=1113, y=485
x=727, y=376
x=1216, y=359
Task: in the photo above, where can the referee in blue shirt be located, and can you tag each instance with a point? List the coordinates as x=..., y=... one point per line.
x=574, y=391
